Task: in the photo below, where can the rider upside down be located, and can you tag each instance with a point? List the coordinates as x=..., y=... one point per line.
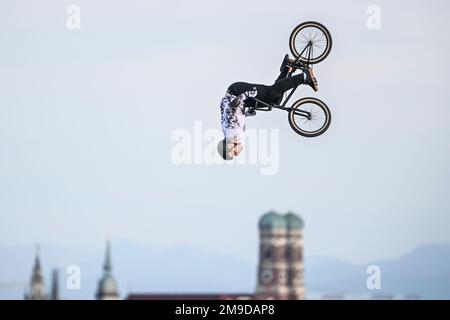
x=240, y=95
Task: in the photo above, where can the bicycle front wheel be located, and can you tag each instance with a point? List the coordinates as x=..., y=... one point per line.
x=309, y=117
x=310, y=42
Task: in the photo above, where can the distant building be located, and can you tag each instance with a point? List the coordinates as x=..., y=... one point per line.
x=37, y=283
x=54, y=293
x=280, y=270
x=190, y=296
x=107, y=286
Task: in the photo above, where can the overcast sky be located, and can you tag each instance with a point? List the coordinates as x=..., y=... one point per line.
x=86, y=118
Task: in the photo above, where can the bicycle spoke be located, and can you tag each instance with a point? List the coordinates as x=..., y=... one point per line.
x=310, y=43
x=316, y=121
x=318, y=31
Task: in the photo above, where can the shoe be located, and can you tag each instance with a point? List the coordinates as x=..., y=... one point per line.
x=311, y=79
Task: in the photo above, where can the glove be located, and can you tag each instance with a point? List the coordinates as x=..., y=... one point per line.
x=251, y=94
x=250, y=113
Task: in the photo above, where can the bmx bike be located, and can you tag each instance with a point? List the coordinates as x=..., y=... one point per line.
x=310, y=43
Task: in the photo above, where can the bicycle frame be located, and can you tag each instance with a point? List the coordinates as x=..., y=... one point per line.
x=269, y=107
x=282, y=104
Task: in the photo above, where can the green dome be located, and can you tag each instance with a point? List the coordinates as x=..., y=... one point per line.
x=293, y=221
x=272, y=220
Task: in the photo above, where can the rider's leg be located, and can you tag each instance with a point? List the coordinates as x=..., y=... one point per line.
x=306, y=77
x=238, y=88
x=283, y=74
x=284, y=69
x=283, y=85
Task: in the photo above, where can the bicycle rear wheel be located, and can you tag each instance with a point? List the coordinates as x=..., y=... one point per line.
x=310, y=42
x=309, y=117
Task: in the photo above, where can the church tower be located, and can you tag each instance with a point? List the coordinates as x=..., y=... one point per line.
x=37, y=285
x=107, y=287
x=280, y=270
x=294, y=251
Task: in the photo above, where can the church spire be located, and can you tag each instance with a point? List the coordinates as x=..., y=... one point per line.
x=107, y=266
x=107, y=286
x=37, y=285
x=36, y=276
x=37, y=262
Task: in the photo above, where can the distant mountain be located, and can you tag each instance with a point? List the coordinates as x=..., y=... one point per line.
x=424, y=272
